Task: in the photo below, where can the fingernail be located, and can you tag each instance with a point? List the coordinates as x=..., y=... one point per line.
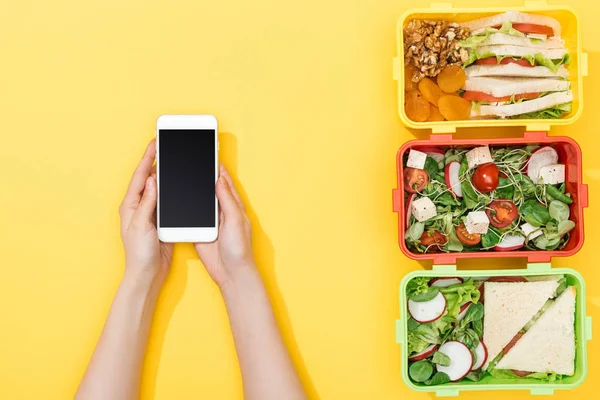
x=149, y=182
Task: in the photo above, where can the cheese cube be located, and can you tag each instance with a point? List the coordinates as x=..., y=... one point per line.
x=416, y=159
x=530, y=231
x=477, y=222
x=552, y=174
x=423, y=209
x=479, y=156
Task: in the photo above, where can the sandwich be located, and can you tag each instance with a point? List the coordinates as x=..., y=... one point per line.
x=523, y=52
x=549, y=345
x=508, y=307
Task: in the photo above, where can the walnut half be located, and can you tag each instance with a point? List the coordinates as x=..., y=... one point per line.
x=432, y=45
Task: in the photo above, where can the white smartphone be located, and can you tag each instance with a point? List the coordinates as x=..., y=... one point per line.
x=187, y=169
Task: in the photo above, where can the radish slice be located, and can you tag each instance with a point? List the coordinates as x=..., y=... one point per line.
x=510, y=242
x=482, y=355
x=445, y=282
x=461, y=360
x=424, y=354
x=463, y=311
x=452, y=178
x=427, y=311
x=540, y=158
x=409, y=208
x=438, y=157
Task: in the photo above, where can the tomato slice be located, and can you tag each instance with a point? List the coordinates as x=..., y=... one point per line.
x=470, y=239
x=415, y=179
x=520, y=373
x=502, y=213
x=533, y=28
x=504, y=61
x=480, y=96
x=512, y=343
x=427, y=239
x=507, y=279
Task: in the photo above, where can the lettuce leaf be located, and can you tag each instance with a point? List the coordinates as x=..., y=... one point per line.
x=549, y=113
x=473, y=41
x=552, y=65
x=545, y=376
x=415, y=343
x=458, y=295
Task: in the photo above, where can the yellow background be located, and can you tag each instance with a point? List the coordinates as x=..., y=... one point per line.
x=304, y=92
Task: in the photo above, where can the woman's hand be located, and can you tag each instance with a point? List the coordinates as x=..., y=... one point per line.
x=232, y=252
x=147, y=259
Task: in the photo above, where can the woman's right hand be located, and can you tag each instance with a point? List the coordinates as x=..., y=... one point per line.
x=232, y=252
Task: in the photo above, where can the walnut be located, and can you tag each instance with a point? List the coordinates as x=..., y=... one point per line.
x=431, y=45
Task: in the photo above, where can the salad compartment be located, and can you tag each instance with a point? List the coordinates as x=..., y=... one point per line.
x=569, y=154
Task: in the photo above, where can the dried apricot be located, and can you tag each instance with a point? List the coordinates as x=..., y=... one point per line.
x=454, y=108
x=451, y=78
x=409, y=71
x=430, y=90
x=435, y=115
x=416, y=107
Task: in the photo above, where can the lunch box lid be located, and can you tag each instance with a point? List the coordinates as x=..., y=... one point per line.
x=578, y=67
x=574, y=180
x=583, y=333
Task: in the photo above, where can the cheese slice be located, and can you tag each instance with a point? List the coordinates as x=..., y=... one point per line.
x=508, y=307
x=549, y=345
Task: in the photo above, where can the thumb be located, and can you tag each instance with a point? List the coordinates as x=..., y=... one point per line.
x=229, y=205
x=145, y=210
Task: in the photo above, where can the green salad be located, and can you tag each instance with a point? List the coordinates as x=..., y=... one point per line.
x=482, y=198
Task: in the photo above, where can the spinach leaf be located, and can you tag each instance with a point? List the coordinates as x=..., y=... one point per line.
x=505, y=189
x=428, y=333
x=534, y=213
x=440, y=359
x=478, y=327
x=474, y=313
x=438, y=379
x=469, y=196
x=431, y=167
x=425, y=296
x=412, y=324
x=420, y=371
x=474, y=376
x=454, y=243
x=491, y=238
x=558, y=194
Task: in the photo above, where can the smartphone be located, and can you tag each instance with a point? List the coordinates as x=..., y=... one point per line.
x=187, y=169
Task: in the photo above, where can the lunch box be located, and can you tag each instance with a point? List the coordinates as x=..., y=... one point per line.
x=569, y=153
x=571, y=33
x=583, y=333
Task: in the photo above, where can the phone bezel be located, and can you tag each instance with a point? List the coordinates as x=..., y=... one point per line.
x=187, y=121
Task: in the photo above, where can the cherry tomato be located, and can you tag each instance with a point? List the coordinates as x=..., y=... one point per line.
x=508, y=60
x=502, y=212
x=480, y=96
x=507, y=279
x=427, y=239
x=514, y=341
x=485, y=178
x=470, y=239
x=532, y=28
x=415, y=180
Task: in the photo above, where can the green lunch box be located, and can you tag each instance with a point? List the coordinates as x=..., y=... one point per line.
x=583, y=333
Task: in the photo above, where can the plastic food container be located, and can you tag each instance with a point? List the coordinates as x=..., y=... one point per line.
x=583, y=333
x=571, y=33
x=569, y=153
